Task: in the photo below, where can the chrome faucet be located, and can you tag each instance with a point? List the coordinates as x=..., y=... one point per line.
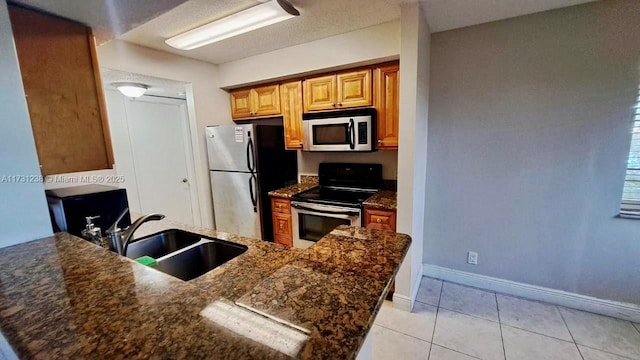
x=119, y=238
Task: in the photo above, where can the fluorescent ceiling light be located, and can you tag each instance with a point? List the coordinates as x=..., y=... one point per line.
x=247, y=20
x=132, y=90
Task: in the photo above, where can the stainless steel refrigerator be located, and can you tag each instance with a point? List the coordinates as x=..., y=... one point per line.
x=246, y=162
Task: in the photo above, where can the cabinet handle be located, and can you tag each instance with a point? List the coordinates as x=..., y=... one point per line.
x=379, y=220
x=339, y=104
x=334, y=105
x=281, y=226
x=379, y=141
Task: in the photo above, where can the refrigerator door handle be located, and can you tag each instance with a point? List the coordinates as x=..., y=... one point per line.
x=253, y=193
x=251, y=159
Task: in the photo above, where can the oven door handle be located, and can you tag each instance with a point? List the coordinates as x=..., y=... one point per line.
x=349, y=213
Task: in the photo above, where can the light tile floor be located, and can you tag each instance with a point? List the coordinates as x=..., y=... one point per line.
x=455, y=322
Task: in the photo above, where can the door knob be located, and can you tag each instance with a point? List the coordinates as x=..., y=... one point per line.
x=185, y=180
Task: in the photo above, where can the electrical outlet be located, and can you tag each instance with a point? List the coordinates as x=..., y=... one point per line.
x=472, y=258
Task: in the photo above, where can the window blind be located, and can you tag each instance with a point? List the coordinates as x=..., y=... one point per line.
x=631, y=191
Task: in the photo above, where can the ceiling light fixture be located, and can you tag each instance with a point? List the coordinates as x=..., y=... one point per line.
x=130, y=89
x=253, y=18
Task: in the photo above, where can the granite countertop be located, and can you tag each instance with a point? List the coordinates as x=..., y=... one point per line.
x=63, y=297
x=306, y=182
x=383, y=199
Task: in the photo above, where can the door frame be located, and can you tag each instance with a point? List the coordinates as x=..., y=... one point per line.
x=188, y=148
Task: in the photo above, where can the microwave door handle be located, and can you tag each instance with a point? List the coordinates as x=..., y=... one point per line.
x=352, y=135
x=348, y=213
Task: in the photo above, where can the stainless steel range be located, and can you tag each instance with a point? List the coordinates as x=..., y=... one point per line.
x=337, y=201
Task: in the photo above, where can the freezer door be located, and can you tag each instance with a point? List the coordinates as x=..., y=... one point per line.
x=234, y=196
x=231, y=147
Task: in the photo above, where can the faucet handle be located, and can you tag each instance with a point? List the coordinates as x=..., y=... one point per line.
x=90, y=219
x=114, y=228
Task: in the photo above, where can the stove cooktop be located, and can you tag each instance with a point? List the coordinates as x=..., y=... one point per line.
x=332, y=196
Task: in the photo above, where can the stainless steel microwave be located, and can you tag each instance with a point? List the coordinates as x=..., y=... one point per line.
x=350, y=130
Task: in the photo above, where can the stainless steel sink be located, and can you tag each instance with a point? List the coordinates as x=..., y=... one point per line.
x=161, y=244
x=200, y=259
x=183, y=254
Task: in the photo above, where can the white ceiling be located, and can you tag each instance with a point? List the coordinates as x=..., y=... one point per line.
x=108, y=18
x=318, y=19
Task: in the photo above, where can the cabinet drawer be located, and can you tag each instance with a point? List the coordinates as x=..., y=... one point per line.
x=380, y=219
x=282, y=206
x=282, y=226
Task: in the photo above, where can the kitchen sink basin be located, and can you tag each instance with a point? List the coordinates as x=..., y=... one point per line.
x=161, y=244
x=198, y=260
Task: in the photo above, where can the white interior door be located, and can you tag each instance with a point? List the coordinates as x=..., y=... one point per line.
x=159, y=135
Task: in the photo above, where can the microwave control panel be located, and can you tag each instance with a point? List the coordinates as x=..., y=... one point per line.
x=362, y=133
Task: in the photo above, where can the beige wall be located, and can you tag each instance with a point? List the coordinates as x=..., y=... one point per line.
x=203, y=94
x=369, y=45
x=529, y=131
x=308, y=161
x=24, y=215
x=412, y=151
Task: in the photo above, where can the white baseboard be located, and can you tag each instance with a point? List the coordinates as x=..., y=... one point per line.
x=620, y=310
x=405, y=303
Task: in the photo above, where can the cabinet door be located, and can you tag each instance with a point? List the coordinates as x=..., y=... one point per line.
x=241, y=104
x=282, y=229
x=387, y=91
x=380, y=219
x=60, y=78
x=320, y=93
x=266, y=100
x=291, y=96
x=354, y=89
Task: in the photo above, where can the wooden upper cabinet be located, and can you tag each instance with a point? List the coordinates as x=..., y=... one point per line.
x=261, y=101
x=354, y=89
x=266, y=100
x=61, y=80
x=387, y=91
x=291, y=97
x=344, y=90
x=320, y=93
x=241, y=104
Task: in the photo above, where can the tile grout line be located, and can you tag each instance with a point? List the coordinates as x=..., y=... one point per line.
x=569, y=330
x=504, y=350
x=401, y=333
x=435, y=321
x=457, y=351
x=537, y=333
x=606, y=352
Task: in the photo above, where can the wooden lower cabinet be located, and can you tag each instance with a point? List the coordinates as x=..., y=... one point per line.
x=381, y=220
x=282, y=224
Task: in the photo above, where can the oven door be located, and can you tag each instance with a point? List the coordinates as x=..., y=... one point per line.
x=338, y=134
x=311, y=222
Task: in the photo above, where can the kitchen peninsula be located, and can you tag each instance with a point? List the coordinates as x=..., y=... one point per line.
x=62, y=297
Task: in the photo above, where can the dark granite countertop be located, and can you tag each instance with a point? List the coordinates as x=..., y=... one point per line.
x=63, y=297
x=306, y=182
x=383, y=199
